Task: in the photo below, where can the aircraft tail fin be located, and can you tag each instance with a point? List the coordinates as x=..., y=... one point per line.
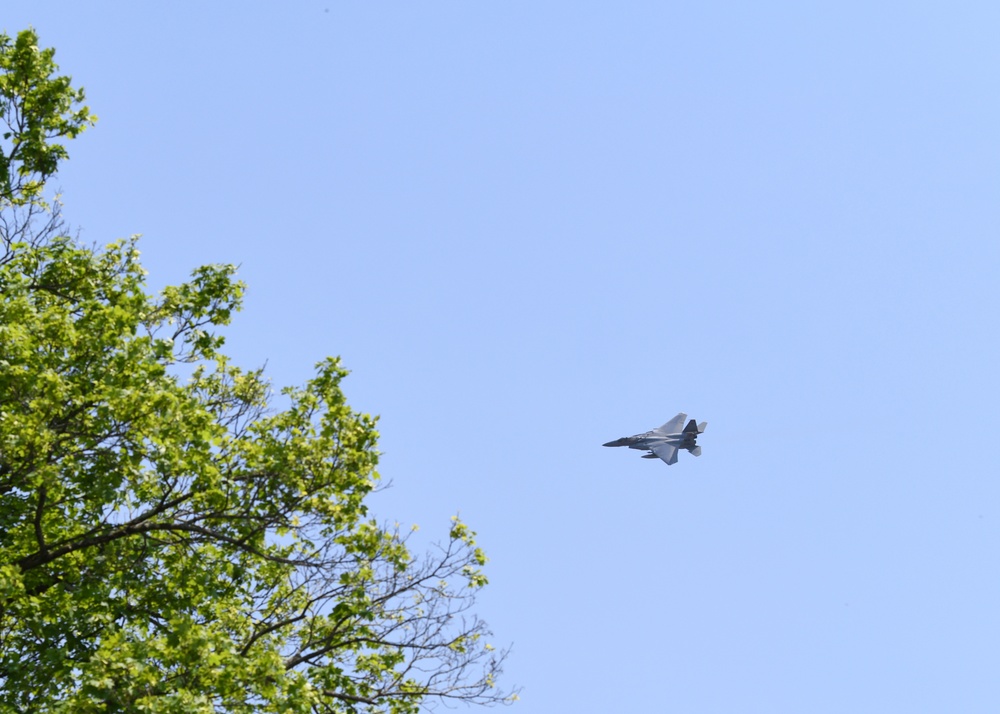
x=692, y=427
x=696, y=451
x=701, y=427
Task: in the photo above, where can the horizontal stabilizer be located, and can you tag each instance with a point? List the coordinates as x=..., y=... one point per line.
x=696, y=451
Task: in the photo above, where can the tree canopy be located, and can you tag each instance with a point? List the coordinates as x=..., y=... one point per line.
x=170, y=541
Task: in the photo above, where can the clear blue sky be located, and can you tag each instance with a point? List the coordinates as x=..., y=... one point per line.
x=532, y=227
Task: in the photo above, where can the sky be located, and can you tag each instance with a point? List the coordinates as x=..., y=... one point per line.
x=530, y=228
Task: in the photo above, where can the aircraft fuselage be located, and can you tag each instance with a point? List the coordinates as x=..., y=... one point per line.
x=644, y=441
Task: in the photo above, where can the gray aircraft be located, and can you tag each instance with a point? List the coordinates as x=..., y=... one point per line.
x=663, y=443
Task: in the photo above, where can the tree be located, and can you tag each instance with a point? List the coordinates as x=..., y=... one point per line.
x=36, y=108
x=170, y=542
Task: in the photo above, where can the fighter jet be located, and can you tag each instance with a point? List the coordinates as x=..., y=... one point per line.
x=664, y=442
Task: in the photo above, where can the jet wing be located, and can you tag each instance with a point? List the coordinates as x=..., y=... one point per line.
x=675, y=425
x=667, y=452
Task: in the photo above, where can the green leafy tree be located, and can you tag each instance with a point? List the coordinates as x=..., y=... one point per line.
x=36, y=108
x=169, y=541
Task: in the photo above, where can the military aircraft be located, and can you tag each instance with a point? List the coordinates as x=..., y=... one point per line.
x=664, y=442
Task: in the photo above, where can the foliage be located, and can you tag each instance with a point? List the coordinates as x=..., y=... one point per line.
x=171, y=542
x=36, y=108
